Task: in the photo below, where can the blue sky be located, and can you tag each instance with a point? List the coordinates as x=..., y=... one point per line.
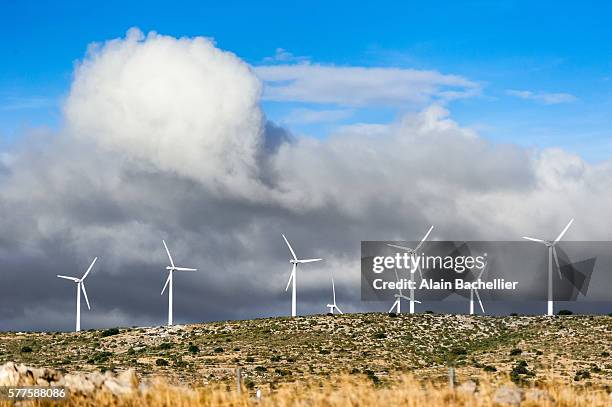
x=540, y=74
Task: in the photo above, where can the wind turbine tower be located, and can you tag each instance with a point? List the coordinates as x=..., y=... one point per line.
x=412, y=253
x=333, y=305
x=171, y=269
x=552, y=253
x=293, y=277
x=80, y=286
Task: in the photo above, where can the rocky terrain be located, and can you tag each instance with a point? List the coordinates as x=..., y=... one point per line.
x=270, y=352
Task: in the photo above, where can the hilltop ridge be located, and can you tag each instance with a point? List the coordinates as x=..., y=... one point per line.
x=276, y=350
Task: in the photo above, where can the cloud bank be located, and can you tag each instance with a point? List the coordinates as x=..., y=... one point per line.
x=165, y=138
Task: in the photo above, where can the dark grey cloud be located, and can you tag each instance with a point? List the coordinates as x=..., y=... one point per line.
x=196, y=163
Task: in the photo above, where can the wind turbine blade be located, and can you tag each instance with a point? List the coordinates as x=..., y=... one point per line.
x=185, y=269
x=419, y=269
x=534, y=239
x=482, y=271
x=89, y=269
x=417, y=301
x=399, y=247
x=85, y=294
x=554, y=249
x=308, y=260
x=479, y=300
x=167, y=281
x=290, y=248
x=564, y=230
x=291, y=276
x=397, y=279
x=338, y=309
x=168, y=251
x=424, y=238
x=76, y=280
x=398, y=296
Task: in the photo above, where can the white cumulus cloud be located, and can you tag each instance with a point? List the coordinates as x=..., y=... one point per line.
x=181, y=105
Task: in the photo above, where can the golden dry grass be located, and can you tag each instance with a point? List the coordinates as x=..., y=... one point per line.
x=347, y=391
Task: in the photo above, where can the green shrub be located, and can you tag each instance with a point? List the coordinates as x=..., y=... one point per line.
x=489, y=368
x=520, y=372
x=110, y=332
x=565, y=312
x=161, y=362
x=458, y=351
x=165, y=346
x=515, y=352
x=219, y=350
x=193, y=349
x=101, y=357
x=582, y=374
x=26, y=349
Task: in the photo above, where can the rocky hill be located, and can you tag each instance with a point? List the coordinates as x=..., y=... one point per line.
x=276, y=350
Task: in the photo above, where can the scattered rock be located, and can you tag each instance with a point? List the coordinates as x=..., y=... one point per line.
x=78, y=384
x=9, y=376
x=125, y=383
x=12, y=374
x=468, y=387
x=508, y=395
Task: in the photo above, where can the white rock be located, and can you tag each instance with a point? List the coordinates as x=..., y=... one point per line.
x=9, y=375
x=508, y=395
x=125, y=383
x=468, y=387
x=78, y=384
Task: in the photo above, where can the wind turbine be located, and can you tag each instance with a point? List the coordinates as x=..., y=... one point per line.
x=552, y=252
x=293, y=277
x=80, y=286
x=333, y=305
x=171, y=268
x=412, y=253
x=475, y=291
x=398, y=299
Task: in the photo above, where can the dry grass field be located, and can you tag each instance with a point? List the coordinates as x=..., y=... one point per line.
x=358, y=359
x=349, y=391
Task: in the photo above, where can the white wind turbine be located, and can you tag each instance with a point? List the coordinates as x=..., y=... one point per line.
x=475, y=291
x=398, y=299
x=333, y=305
x=80, y=286
x=171, y=268
x=412, y=253
x=293, y=277
x=552, y=252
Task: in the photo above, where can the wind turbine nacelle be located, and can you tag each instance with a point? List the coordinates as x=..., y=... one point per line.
x=292, y=261
x=169, y=268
